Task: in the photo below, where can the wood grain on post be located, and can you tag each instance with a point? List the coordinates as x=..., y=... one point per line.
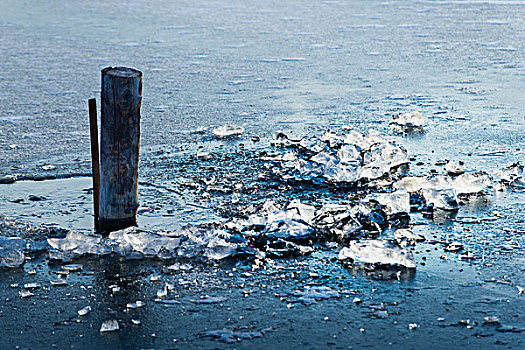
x=95, y=165
x=121, y=98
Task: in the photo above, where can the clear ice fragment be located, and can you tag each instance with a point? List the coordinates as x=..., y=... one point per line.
x=412, y=122
x=109, y=326
x=84, y=311
x=25, y=294
x=513, y=175
x=11, y=251
x=471, y=183
x=382, y=252
x=228, y=131
x=444, y=199
x=394, y=203
x=406, y=237
x=453, y=169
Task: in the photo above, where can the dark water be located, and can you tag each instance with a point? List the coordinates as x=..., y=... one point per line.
x=297, y=66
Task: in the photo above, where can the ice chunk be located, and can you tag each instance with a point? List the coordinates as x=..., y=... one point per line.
x=59, y=283
x=336, y=221
x=289, y=229
x=453, y=169
x=341, y=160
x=11, y=251
x=149, y=244
x=386, y=153
x=394, y=203
x=513, y=175
x=76, y=244
x=406, y=237
x=342, y=174
x=25, y=294
x=453, y=247
x=109, y=326
x=349, y=154
x=228, y=131
x=412, y=184
x=32, y=285
x=136, y=243
x=72, y=267
x=135, y=305
x=382, y=252
x=218, y=249
x=471, y=183
x=163, y=293
x=306, y=212
x=84, y=311
x=494, y=320
x=49, y=167
x=444, y=199
x=381, y=159
x=412, y=122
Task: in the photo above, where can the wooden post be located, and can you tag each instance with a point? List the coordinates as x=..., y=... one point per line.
x=95, y=166
x=121, y=97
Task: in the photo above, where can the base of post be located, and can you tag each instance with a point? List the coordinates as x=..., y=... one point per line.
x=109, y=225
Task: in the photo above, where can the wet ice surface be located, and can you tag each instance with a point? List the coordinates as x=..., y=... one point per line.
x=185, y=269
x=270, y=67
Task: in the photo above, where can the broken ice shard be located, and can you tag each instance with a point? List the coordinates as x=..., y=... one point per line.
x=84, y=311
x=394, y=203
x=406, y=237
x=109, y=326
x=441, y=198
x=381, y=252
x=513, y=175
x=76, y=244
x=412, y=122
x=453, y=169
x=11, y=251
x=228, y=131
x=289, y=229
x=218, y=249
x=471, y=183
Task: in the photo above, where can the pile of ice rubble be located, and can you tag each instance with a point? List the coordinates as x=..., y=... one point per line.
x=367, y=162
x=343, y=160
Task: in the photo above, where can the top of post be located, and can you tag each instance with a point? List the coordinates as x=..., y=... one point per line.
x=122, y=72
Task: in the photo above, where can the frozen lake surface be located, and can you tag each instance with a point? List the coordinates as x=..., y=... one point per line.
x=301, y=67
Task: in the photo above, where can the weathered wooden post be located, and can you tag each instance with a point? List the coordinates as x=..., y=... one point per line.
x=121, y=98
x=95, y=165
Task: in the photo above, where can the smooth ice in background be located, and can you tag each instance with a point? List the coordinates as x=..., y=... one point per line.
x=266, y=66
